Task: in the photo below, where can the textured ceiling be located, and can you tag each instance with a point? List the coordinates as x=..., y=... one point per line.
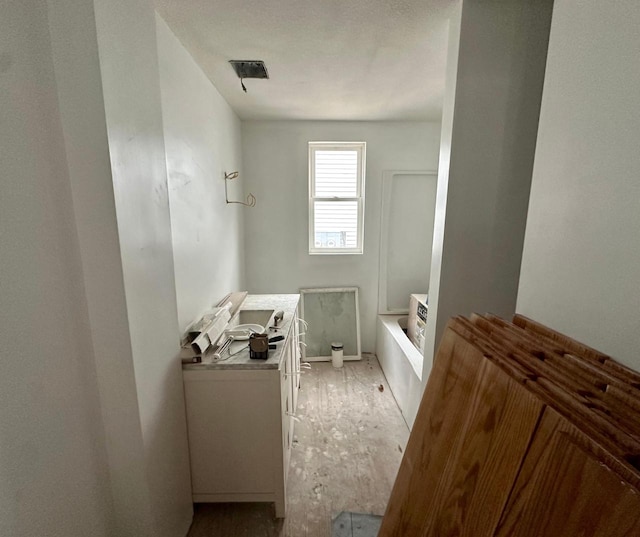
x=327, y=59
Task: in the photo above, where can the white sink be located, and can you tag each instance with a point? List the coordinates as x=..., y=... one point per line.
x=260, y=317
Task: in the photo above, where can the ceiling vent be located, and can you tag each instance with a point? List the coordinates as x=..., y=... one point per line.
x=249, y=68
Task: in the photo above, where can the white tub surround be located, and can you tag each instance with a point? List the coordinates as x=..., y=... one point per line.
x=401, y=363
x=240, y=416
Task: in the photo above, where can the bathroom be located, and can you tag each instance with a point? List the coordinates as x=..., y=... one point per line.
x=269, y=242
x=119, y=144
x=266, y=247
x=133, y=236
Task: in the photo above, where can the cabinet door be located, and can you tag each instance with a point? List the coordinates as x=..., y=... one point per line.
x=566, y=487
x=467, y=444
x=297, y=353
x=230, y=418
x=295, y=366
x=287, y=405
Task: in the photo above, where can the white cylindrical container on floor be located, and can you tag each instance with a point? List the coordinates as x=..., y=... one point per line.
x=336, y=354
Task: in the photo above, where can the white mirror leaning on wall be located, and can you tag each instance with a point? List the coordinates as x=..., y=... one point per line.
x=333, y=315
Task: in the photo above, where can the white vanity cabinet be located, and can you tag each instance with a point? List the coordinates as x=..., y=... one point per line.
x=240, y=423
x=290, y=384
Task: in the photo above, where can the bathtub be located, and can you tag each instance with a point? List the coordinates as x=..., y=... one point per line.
x=401, y=363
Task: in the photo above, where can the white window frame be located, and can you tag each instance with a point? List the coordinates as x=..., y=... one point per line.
x=360, y=147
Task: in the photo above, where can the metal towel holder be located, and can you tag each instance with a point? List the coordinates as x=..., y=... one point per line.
x=251, y=199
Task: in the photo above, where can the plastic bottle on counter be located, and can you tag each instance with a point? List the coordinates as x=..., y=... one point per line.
x=337, y=351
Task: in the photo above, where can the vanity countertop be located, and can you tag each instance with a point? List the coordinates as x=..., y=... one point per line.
x=238, y=357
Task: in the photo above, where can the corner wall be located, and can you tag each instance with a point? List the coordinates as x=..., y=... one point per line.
x=54, y=473
x=275, y=163
x=581, y=263
x=126, y=34
x=75, y=48
x=494, y=85
x=91, y=402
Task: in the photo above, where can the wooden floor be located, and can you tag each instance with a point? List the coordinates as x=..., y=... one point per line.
x=346, y=453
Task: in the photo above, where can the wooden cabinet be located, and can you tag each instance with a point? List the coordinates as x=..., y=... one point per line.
x=476, y=429
x=565, y=489
x=240, y=428
x=518, y=436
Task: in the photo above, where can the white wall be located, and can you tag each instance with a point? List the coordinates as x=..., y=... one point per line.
x=75, y=51
x=408, y=208
x=54, y=477
x=126, y=32
x=202, y=140
x=92, y=413
x=581, y=263
x=276, y=230
x=494, y=85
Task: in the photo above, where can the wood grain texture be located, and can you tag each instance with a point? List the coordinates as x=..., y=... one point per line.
x=606, y=362
x=585, y=382
x=571, y=344
x=565, y=489
x=629, y=375
x=501, y=420
x=607, y=420
x=521, y=432
x=603, y=370
x=475, y=429
x=593, y=380
x=438, y=425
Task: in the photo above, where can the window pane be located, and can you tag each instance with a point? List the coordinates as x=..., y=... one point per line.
x=336, y=173
x=336, y=224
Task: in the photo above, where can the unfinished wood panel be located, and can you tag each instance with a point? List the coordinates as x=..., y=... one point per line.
x=606, y=362
x=502, y=418
x=561, y=455
x=571, y=344
x=602, y=370
x=441, y=415
x=565, y=399
x=564, y=488
x=622, y=371
x=622, y=458
x=446, y=492
x=586, y=384
x=623, y=397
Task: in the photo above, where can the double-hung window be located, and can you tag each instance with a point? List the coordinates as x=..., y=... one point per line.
x=336, y=197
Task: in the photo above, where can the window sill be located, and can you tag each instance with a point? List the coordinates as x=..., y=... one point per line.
x=335, y=252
